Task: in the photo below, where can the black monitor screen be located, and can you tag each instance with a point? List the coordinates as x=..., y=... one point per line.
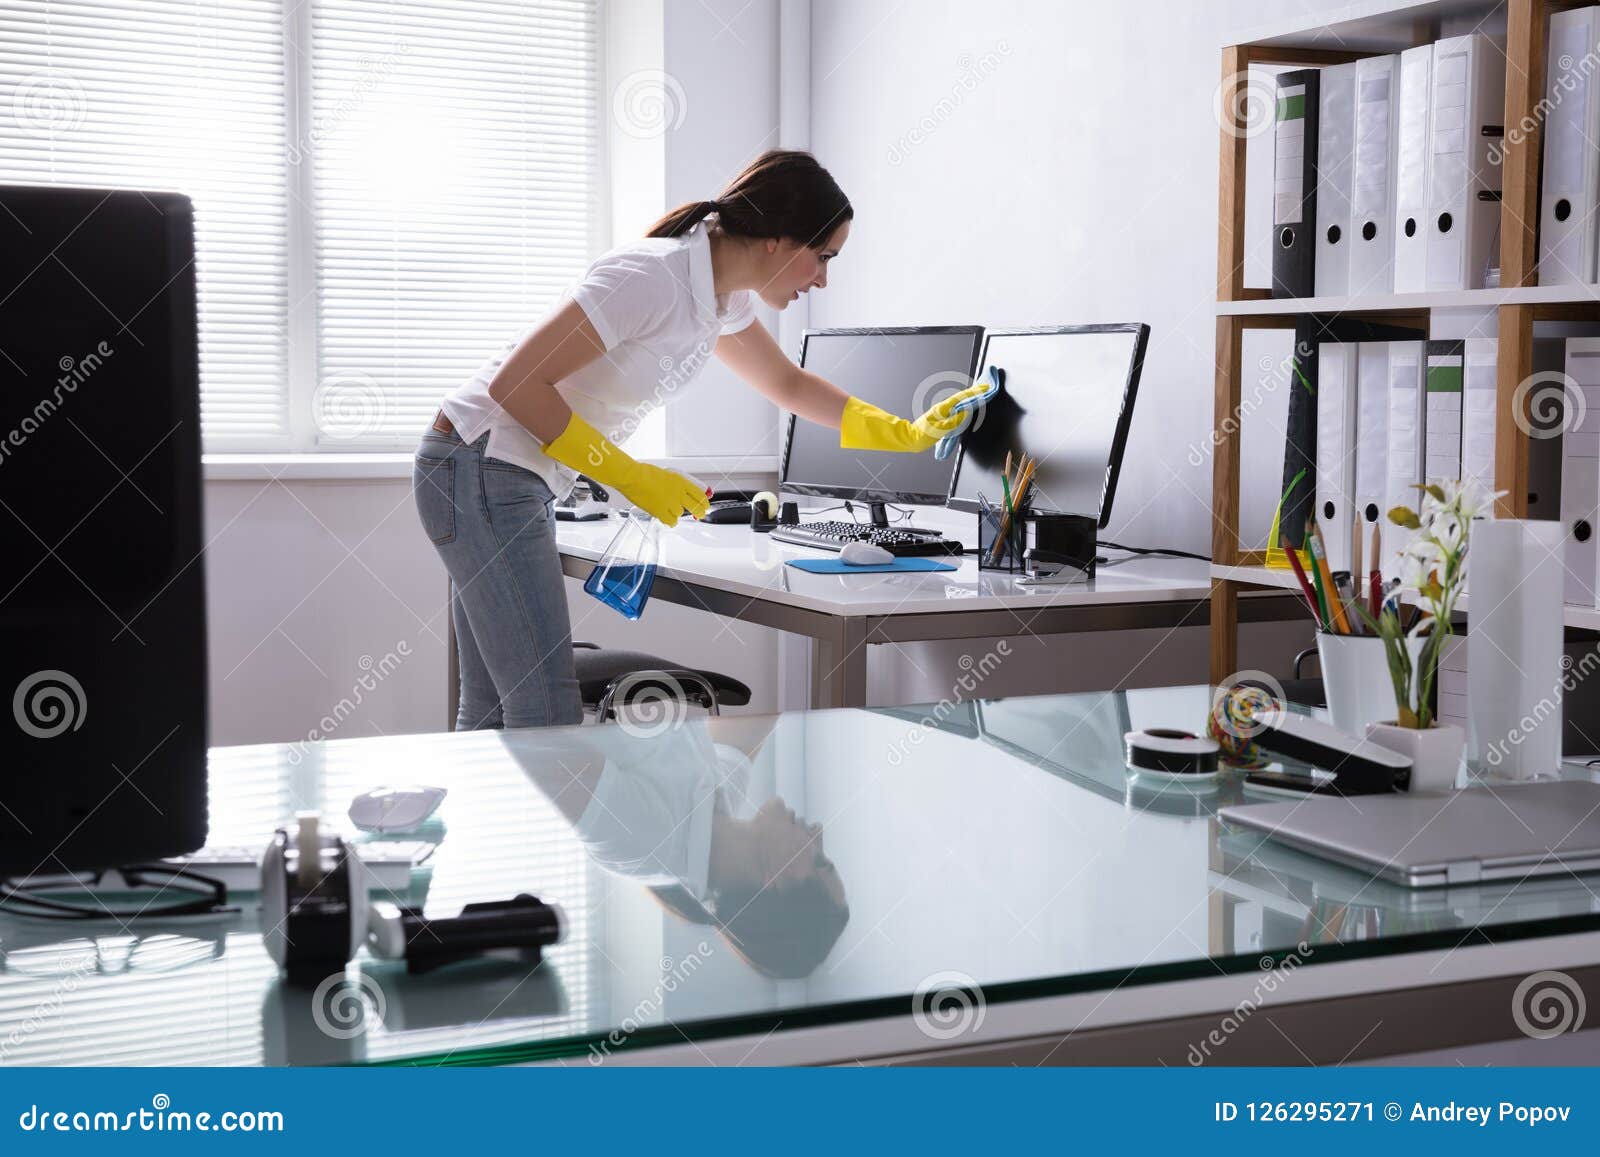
x=1067, y=402
x=903, y=371
x=102, y=593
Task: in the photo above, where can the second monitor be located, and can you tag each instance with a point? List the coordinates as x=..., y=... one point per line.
x=1067, y=402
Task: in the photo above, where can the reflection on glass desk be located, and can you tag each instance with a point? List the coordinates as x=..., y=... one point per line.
x=746, y=877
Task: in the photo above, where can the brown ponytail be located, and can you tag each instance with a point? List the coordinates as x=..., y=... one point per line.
x=782, y=194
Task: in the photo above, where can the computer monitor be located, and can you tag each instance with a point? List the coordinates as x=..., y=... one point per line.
x=1067, y=402
x=901, y=370
x=102, y=595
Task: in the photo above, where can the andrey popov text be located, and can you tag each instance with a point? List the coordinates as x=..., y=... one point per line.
x=1449, y=1113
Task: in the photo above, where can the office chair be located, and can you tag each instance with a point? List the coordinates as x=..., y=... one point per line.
x=604, y=673
x=1301, y=690
x=1298, y=689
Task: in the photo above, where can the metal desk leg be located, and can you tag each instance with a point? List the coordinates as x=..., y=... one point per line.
x=839, y=665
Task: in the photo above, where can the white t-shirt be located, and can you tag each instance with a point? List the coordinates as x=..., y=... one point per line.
x=654, y=306
x=651, y=820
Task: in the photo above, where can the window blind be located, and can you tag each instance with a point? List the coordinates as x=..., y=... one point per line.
x=174, y=95
x=386, y=191
x=455, y=194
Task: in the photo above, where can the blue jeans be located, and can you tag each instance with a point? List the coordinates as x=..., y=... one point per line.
x=492, y=525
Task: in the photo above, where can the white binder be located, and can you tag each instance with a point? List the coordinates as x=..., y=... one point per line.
x=1580, y=472
x=1567, y=200
x=1407, y=440
x=1442, y=426
x=1452, y=685
x=1373, y=178
x=1336, y=125
x=1372, y=433
x=1336, y=450
x=1468, y=95
x=1477, y=411
x=1411, y=171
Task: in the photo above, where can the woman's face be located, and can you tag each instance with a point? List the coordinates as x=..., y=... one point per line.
x=792, y=269
x=791, y=850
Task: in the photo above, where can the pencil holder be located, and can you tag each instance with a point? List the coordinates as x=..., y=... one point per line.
x=999, y=550
x=1355, y=679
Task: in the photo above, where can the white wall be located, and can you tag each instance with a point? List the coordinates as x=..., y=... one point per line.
x=310, y=586
x=1027, y=163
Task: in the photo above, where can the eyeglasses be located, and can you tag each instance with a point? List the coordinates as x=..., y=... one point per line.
x=39, y=896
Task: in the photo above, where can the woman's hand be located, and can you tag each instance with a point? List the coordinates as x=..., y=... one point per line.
x=866, y=427
x=663, y=494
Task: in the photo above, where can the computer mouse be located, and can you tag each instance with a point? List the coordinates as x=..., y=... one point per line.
x=395, y=809
x=864, y=554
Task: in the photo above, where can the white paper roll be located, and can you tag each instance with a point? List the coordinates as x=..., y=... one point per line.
x=1514, y=672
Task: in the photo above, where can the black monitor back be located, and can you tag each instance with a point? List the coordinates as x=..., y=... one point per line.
x=102, y=595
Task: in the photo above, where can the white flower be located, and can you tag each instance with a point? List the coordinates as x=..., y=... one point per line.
x=1475, y=499
x=1418, y=562
x=1446, y=529
x=1423, y=626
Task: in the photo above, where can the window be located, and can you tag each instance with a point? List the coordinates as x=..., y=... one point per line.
x=386, y=191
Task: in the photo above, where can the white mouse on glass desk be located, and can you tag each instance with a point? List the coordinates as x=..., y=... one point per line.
x=395, y=809
x=864, y=554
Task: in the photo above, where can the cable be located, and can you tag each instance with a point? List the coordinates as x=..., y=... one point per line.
x=1162, y=550
x=904, y=512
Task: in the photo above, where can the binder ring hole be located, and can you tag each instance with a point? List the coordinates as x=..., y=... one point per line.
x=1369, y=231
x=1445, y=221
x=1286, y=238
x=1372, y=512
x=1563, y=209
x=1581, y=530
x=1333, y=234
x=1327, y=510
x=1411, y=226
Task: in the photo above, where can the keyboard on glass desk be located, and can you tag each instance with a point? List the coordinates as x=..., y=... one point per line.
x=837, y=535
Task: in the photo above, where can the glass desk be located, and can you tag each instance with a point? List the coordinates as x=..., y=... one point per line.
x=977, y=880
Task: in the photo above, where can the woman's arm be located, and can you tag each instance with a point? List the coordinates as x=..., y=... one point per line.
x=525, y=384
x=754, y=356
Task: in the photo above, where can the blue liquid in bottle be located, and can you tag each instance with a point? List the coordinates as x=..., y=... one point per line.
x=625, y=574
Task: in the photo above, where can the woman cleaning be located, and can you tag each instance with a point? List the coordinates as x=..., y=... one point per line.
x=631, y=336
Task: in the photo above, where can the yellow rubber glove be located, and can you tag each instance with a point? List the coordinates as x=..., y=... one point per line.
x=866, y=427
x=664, y=494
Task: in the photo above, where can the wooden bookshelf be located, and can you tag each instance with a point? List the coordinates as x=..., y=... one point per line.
x=1376, y=27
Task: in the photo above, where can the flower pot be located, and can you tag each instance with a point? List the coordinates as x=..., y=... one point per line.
x=1435, y=752
x=1355, y=679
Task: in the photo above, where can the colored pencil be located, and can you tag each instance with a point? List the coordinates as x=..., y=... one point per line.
x=1319, y=555
x=1025, y=480
x=1305, y=583
x=1325, y=620
x=1375, y=600
x=1016, y=500
x=1355, y=554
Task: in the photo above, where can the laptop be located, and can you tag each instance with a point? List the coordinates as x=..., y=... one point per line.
x=1499, y=832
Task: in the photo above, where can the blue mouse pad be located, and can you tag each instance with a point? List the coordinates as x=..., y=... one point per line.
x=839, y=566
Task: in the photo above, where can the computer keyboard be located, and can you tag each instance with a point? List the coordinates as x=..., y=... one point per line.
x=835, y=535
x=388, y=864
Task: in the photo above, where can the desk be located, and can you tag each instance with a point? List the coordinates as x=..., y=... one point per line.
x=1009, y=893
x=728, y=570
